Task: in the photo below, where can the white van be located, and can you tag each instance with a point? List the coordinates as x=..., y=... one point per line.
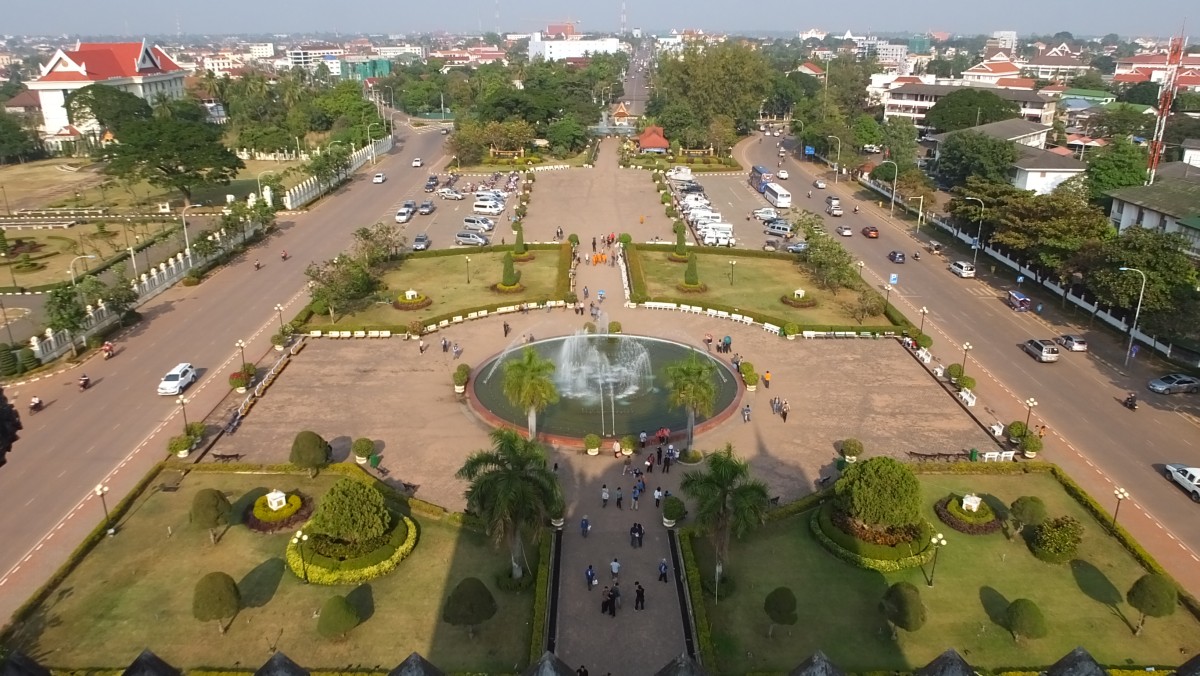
x=778, y=229
x=489, y=196
x=703, y=214
x=716, y=234
x=488, y=207
x=962, y=269
x=716, y=239
x=831, y=201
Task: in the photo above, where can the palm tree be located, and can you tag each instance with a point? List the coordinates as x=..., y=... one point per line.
x=511, y=489
x=527, y=384
x=693, y=387
x=728, y=501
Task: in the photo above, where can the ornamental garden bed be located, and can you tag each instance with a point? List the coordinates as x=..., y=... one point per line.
x=134, y=591
x=976, y=577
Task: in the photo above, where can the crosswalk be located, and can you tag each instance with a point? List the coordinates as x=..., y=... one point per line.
x=430, y=128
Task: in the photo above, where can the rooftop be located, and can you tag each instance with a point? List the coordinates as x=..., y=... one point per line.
x=1088, y=94
x=1036, y=159
x=1175, y=192
x=1016, y=95
x=1005, y=130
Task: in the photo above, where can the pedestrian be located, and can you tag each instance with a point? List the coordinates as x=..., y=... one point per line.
x=584, y=526
x=615, y=595
x=619, y=498
x=642, y=439
x=641, y=534
x=593, y=245
x=658, y=455
x=658, y=494
x=641, y=485
x=639, y=596
x=784, y=408
x=767, y=379
x=1041, y=431
x=649, y=463
x=633, y=498
x=421, y=346
x=445, y=345
x=604, y=496
x=581, y=671
x=507, y=328
x=615, y=567
x=666, y=468
x=746, y=413
x=586, y=293
x=605, y=600
x=662, y=570
x=590, y=576
x=633, y=536
x=457, y=351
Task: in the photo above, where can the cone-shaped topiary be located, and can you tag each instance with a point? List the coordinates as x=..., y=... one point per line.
x=510, y=277
x=519, y=246
x=470, y=605
x=691, y=276
x=215, y=599
x=680, y=243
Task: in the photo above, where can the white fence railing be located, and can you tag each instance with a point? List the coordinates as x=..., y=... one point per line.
x=310, y=189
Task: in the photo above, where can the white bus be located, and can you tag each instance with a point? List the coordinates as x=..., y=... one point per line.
x=779, y=197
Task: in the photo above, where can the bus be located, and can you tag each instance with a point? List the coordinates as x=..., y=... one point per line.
x=777, y=196
x=760, y=177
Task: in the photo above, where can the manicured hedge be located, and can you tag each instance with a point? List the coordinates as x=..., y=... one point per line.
x=322, y=570
x=825, y=532
x=541, y=602
x=562, y=282
x=691, y=570
x=260, y=519
x=637, y=275
x=949, y=514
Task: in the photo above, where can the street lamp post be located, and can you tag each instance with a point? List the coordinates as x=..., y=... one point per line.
x=468, y=269
x=11, y=272
x=370, y=141
x=924, y=311
x=72, y=269
x=731, y=264
x=861, y=265
x=1121, y=495
x=241, y=346
x=979, y=235
x=1137, y=313
x=299, y=539
x=966, y=348
x=938, y=541
x=187, y=246
x=183, y=408
x=100, y=490
x=1030, y=403
x=895, y=175
x=920, y=210
x=258, y=179
x=457, y=162
x=7, y=209
x=887, y=299
x=837, y=169
x=279, y=313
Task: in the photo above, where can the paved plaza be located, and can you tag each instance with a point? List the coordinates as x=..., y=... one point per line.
x=385, y=389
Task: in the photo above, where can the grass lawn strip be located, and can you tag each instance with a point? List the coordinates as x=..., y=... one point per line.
x=135, y=591
x=976, y=577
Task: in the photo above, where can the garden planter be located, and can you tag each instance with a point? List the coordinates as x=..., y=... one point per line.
x=593, y=451
x=279, y=348
x=627, y=451
x=557, y=523
x=752, y=388
x=361, y=459
x=240, y=390
x=669, y=523
x=1029, y=455
x=460, y=389
x=791, y=336
x=184, y=453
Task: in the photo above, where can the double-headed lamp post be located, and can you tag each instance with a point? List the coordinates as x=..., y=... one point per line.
x=279, y=313
x=72, y=268
x=468, y=269
x=924, y=311
x=241, y=346
x=938, y=541
x=731, y=264
x=837, y=169
x=979, y=235
x=100, y=490
x=895, y=175
x=860, y=265
x=1030, y=404
x=967, y=347
x=1121, y=495
x=299, y=539
x=183, y=408
x=887, y=299
x=1136, y=313
x=187, y=244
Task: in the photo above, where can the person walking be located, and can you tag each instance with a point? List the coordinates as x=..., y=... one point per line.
x=641, y=534
x=639, y=596
x=633, y=536
x=614, y=597
x=581, y=671
x=650, y=463
x=604, y=496
x=619, y=498
x=586, y=293
x=421, y=346
x=457, y=351
x=593, y=245
x=662, y=570
x=658, y=455
x=507, y=328
x=746, y=413
x=642, y=439
x=584, y=527
x=590, y=576
x=784, y=407
x=767, y=379
x=666, y=468
x=633, y=498
x=445, y=345
x=605, y=600
x=615, y=567
x=658, y=493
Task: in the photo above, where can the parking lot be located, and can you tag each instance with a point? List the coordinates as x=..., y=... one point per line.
x=447, y=216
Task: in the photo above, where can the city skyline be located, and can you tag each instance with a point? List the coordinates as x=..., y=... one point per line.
x=1157, y=18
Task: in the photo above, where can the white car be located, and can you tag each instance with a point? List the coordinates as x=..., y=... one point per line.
x=177, y=379
x=379, y=178
x=417, y=162
x=844, y=231
x=405, y=214
x=449, y=194
x=766, y=213
x=782, y=174
x=1188, y=479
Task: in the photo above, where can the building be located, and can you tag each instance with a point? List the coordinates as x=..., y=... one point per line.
x=991, y=70
x=810, y=68
x=652, y=140
x=1170, y=204
x=557, y=50
x=920, y=44
x=1021, y=132
x=1151, y=66
x=565, y=30
x=363, y=68
x=135, y=67
x=892, y=55
x=812, y=34
x=309, y=57
x=1059, y=63
x=221, y=64
x=262, y=50
x=913, y=100
x=1005, y=39
x=1094, y=96
x=396, y=51
x=1042, y=170
x=24, y=103
x=1191, y=150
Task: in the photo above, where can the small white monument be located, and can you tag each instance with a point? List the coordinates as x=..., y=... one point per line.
x=798, y=294
x=411, y=294
x=276, y=500
x=971, y=503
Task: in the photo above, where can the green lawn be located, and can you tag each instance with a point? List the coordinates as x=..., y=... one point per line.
x=444, y=280
x=64, y=244
x=758, y=284
x=976, y=577
x=134, y=591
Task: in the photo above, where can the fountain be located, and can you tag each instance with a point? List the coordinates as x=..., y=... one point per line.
x=611, y=385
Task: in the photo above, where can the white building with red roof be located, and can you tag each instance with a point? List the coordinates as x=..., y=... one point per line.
x=135, y=67
x=991, y=70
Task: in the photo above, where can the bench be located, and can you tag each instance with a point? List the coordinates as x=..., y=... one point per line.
x=770, y=328
x=227, y=457
x=937, y=457
x=171, y=484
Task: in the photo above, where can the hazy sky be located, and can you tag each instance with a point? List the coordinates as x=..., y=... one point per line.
x=138, y=17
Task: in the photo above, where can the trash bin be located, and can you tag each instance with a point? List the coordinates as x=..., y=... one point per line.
x=374, y=461
x=841, y=464
x=974, y=455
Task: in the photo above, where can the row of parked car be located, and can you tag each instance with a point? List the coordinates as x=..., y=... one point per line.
x=710, y=227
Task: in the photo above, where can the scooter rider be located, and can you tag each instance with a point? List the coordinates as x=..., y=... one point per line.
x=35, y=404
x=107, y=348
x=84, y=381
x=1131, y=401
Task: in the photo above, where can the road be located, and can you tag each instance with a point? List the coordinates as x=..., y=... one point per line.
x=114, y=432
x=1091, y=434
x=636, y=94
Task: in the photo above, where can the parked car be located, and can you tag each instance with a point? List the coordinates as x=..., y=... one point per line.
x=1188, y=478
x=379, y=178
x=478, y=223
x=870, y=232
x=771, y=245
x=417, y=162
x=1175, y=382
x=896, y=256
x=797, y=247
x=844, y=230
x=766, y=214
x=177, y=379
x=1072, y=342
x=782, y=174
x=467, y=238
x=871, y=148
x=404, y=214
x=819, y=184
x=421, y=242
x=426, y=208
x=450, y=194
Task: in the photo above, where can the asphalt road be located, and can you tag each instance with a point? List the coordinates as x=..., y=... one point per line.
x=114, y=432
x=636, y=93
x=1079, y=397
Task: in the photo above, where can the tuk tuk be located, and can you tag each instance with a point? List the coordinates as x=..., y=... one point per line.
x=1019, y=301
x=935, y=248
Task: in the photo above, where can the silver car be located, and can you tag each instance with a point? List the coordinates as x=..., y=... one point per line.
x=1072, y=342
x=1175, y=382
x=468, y=238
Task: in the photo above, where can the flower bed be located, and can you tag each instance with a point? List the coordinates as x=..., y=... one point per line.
x=951, y=513
x=419, y=303
x=318, y=569
x=262, y=519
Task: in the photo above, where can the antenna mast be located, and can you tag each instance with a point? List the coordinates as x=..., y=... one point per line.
x=1166, y=97
x=624, y=17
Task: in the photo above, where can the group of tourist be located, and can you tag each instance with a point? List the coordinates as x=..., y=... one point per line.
x=780, y=407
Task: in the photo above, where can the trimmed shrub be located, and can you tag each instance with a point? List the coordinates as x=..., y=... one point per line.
x=591, y=441
x=625, y=238
x=1057, y=540
x=1152, y=595
x=8, y=362
x=510, y=277
x=1028, y=510
x=966, y=383
x=362, y=447
x=851, y=448
x=902, y=606
x=954, y=371
x=310, y=452
x=337, y=618
x=216, y=599
x=238, y=380
x=691, y=276
x=352, y=513
x=1016, y=430
x=573, y=239
x=864, y=554
x=949, y=510
x=470, y=605
x=680, y=242
x=1024, y=619
x=880, y=493
x=519, y=247
x=614, y=327
x=1031, y=444
x=28, y=359
x=262, y=519
x=674, y=509
x=461, y=375
x=780, y=607
x=210, y=509
x=319, y=569
x=749, y=375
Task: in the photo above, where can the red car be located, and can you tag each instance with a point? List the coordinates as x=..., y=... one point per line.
x=871, y=232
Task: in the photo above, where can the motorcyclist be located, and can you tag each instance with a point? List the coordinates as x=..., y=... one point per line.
x=810, y=194
x=35, y=404
x=916, y=255
x=283, y=255
x=1131, y=400
x=257, y=264
x=84, y=381
x=856, y=208
x=107, y=348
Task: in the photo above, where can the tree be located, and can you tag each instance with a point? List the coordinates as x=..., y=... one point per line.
x=1120, y=119
x=728, y=79
x=210, y=509
x=1024, y=619
x=16, y=142
x=1090, y=80
x=330, y=165
x=866, y=131
x=519, y=242
x=510, y=277
x=120, y=297
x=338, y=617
x=64, y=312
x=10, y=425
x=469, y=605
x=566, y=135
x=1187, y=101
x=1027, y=510
x=111, y=108
x=1153, y=595
x=780, y=606
x=722, y=134
x=351, y=512
x=528, y=384
x=902, y=606
x=1102, y=65
x=338, y=283
x=511, y=489
x=969, y=107
x=1142, y=93
x=831, y=264
x=691, y=277
x=1057, y=540
x=172, y=153
x=899, y=143
x=310, y=452
x=880, y=493
x=728, y=502
x=1118, y=165
x=970, y=153
x=692, y=385
x=467, y=142
x=215, y=599
x=1160, y=255
x=868, y=304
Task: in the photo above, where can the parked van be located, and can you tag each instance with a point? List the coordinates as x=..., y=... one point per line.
x=489, y=208
x=489, y=196
x=778, y=229
x=478, y=223
x=1019, y=301
x=962, y=269
x=703, y=215
x=716, y=239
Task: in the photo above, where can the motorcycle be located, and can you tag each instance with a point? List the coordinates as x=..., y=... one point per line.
x=283, y=256
x=84, y=383
x=108, y=351
x=916, y=255
x=35, y=405
x=1130, y=403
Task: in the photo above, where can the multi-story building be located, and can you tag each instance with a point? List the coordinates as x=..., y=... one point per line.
x=892, y=55
x=394, y=51
x=1059, y=63
x=310, y=56
x=557, y=50
x=914, y=100
x=992, y=70
x=364, y=67
x=920, y=44
x=1006, y=40
x=262, y=50
x=1170, y=204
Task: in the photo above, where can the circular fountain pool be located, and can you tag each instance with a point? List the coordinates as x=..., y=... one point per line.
x=607, y=385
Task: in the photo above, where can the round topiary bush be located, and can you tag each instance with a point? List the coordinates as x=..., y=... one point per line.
x=982, y=522
x=260, y=518
x=1024, y=619
x=880, y=495
x=351, y=520
x=1057, y=540
x=310, y=451
x=337, y=618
